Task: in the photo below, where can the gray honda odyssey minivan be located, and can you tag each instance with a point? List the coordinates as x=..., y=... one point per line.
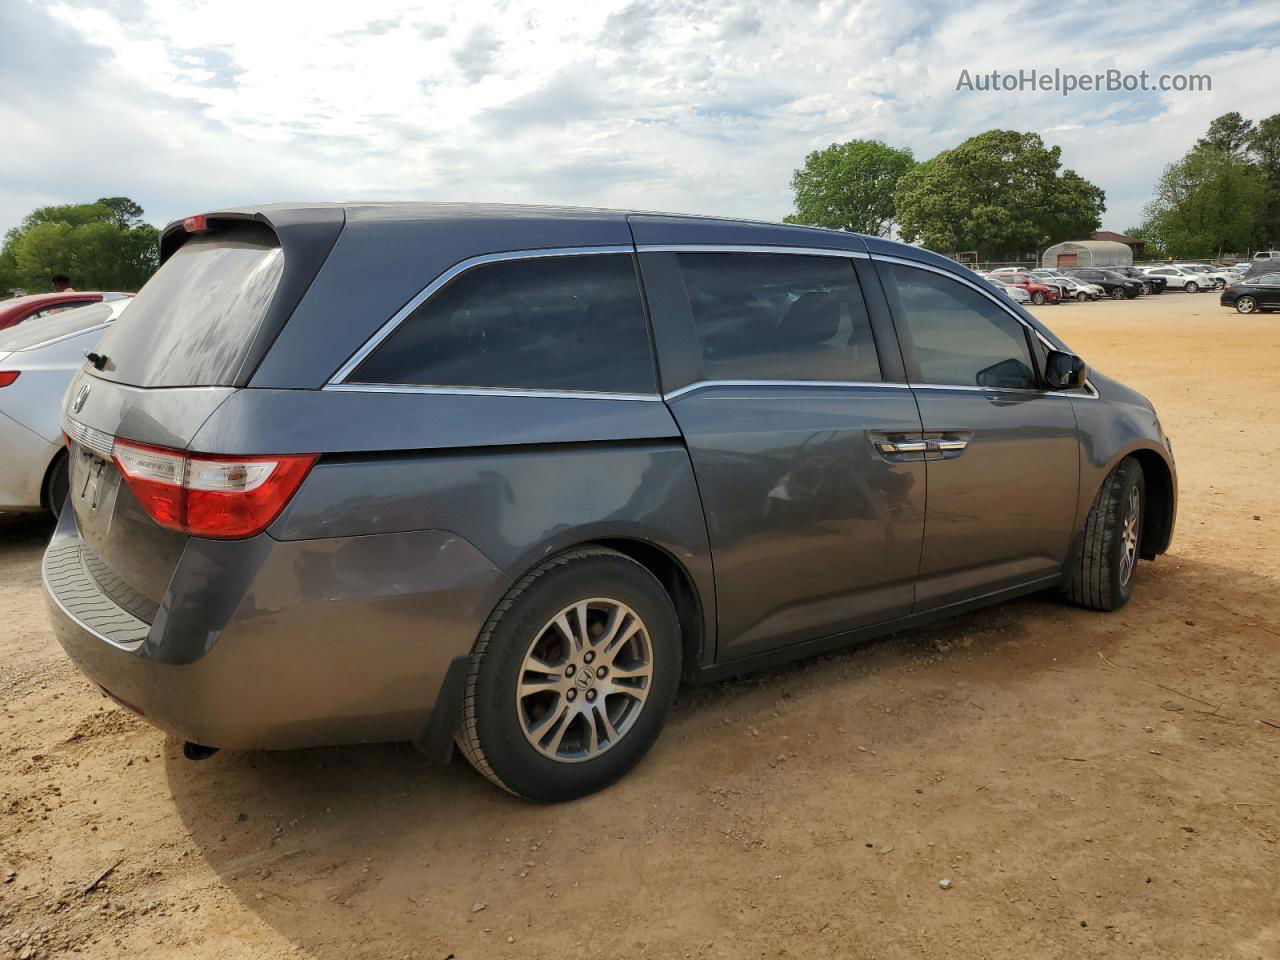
x=503, y=477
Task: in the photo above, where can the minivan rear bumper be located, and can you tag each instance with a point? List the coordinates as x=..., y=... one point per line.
x=262, y=644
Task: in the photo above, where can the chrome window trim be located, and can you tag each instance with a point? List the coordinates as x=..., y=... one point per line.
x=750, y=248
x=701, y=384
x=444, y=278
x=530, y=392
x=1091, y=394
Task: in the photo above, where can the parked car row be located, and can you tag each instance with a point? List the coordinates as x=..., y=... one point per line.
x=504, y=477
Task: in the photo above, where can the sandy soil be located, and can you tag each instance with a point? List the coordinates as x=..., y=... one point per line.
x=1091, y=785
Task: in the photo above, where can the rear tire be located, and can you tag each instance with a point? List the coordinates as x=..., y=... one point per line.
x=1102, y=574
x=56, y=484
x=556, y=705
x=1246, y=305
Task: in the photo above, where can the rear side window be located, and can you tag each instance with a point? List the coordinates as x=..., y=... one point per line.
x=193, y=323
x=766, y=316
x=547, y=323
x=960, y=336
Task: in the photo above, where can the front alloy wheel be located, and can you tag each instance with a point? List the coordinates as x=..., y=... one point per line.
x=1246, y=305
x=1081, y=297
x=1037, y=298
x=1146, y=288
x=1192, y=287
x=1118, y=293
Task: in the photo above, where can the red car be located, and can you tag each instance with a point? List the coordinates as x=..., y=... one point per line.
x=1039, y=292
x=20, y=309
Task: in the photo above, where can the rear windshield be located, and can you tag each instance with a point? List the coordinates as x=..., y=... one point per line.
x=27, y=335
x=193, y=323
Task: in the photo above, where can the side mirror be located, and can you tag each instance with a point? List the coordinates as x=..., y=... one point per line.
x=1064, y=371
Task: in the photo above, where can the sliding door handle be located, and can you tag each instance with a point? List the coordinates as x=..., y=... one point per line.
x=902, y=446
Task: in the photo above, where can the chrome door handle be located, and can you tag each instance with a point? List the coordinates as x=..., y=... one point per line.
x=945, y=444
x=902, y=446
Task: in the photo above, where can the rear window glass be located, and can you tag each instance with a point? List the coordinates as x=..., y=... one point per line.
x=193, y=323
x=764, y=316
x=548, y=323
x=28, y=335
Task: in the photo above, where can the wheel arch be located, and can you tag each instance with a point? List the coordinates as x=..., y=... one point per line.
x=1161, y=501
x=681, y=588
x=59, y=457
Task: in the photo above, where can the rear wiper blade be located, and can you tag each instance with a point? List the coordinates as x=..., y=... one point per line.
x=99, y=360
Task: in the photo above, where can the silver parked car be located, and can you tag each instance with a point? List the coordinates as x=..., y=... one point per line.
x=37, y=361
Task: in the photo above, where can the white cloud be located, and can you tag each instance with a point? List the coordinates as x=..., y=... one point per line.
x=653, y=104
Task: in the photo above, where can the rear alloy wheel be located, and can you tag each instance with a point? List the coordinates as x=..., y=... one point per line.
x=572, y=677
x=56, y=485
x=1103, y=572
x=1192, y=287
x=1037, y=298
x=1247, y=305
x=1118, y=293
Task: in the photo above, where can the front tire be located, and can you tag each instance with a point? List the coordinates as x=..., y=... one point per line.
x=573, y=676
x=1081, y=297
x=1037, y=298
x=1103, y=573
x=1246, y=305
x=1118, y=293
x=1192, y=287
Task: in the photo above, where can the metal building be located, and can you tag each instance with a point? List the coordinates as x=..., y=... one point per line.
x=1088, y=253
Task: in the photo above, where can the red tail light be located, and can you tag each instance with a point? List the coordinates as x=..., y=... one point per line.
x=8, y=376
x=196, y=224
x=224, y=498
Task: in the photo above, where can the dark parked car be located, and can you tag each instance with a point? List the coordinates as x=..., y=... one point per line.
x=1117, y=287
x=506, y=476
x=1150, y=284
x=1261, y=294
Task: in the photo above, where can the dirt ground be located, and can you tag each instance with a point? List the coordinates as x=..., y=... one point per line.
x=1091, y=785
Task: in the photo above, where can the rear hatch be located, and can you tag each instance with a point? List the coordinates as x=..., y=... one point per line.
x=189, y=340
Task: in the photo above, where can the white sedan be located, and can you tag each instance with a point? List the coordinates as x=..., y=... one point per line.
x=37, y=361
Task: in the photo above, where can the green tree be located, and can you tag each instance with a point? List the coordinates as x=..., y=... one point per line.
x=124, y=212
x=1264, y=150
x=1208, y=203
x=850, y=186
x=1229, y=133
x=103, y=245
x=999, y=193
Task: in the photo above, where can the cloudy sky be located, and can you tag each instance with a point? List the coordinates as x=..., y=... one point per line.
x=683, y=105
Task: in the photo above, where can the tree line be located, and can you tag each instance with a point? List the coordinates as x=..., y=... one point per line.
x=1223, y=196
x=1003, y=194
x=103, y=245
